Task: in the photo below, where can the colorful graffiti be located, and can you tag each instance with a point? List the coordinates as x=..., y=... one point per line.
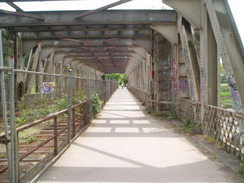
x=183, y=85
x=231, y=84
x=175, y=78
x=234, y=94
x=174, y=70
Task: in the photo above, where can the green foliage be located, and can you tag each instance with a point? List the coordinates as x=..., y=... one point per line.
x=26, y=58
x=191, y=127
x=172, y=114
x=27, y=136
x=28, y=140
x=223, y=74
x=226, y=100
x=241, y=169
x=122, y=79
x=97, y=104
x=151, y=111
x=61, y=104
x=215, y=141
x=30, y=110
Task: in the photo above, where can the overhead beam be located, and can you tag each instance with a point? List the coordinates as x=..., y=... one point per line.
x=61, y=18
x=14, y=6
x=20, y=15
x=146, y=34
x=87, y=42
x=102, y=8
x=28, y=0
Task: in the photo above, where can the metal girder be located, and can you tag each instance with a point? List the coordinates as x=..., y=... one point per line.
x=231, y=48
x=28, y=0
x=189, y=9
x=61, y=18
x=102, y=8
x=21, y=14
x=87, y=42
x=14, y=6
x=168, y=31
x=191, y=63
x=103, y=27
x=125, y=34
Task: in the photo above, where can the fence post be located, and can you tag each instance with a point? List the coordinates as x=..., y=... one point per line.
x=88, y=98
x=55, y=135
x=4, y=110
x=70, y=95
x=73, y=122
x=13, y=132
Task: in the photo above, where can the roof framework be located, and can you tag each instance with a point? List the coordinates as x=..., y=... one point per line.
x=104, y=39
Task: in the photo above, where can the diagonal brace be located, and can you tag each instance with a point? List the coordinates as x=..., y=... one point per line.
x=102, y=8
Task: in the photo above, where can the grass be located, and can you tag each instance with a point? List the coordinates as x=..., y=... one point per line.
x=225, y=97
x=191, y=127
x=151, y=111
x=32, y=108
x=215, y=142
x=241, y=169
x=27, y=136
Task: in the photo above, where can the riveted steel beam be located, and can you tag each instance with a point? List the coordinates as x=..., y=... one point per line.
x=103, y=27
x=61, y=18
x=230, y=46
x=125, y=34
x=102, y=8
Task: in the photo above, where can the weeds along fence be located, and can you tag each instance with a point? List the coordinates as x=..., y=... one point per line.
x=226, y=126
x=40, y=115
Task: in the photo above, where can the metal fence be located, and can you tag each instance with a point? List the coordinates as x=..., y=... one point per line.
x=226, y=126
x=39, y=119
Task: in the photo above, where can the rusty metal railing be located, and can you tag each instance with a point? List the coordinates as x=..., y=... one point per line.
x=43, y=139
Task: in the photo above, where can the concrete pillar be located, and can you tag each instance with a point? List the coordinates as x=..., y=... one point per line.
x=162, y=69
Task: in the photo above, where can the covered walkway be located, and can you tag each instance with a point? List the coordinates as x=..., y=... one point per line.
x=126, y=145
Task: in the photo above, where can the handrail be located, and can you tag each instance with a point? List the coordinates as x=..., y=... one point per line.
x=29, y=125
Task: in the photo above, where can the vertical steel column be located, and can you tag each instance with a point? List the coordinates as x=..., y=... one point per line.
x=4, y=108
x=70, y=95
x=13, y=132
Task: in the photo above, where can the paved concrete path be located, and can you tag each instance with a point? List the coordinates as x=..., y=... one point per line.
x=126, y=145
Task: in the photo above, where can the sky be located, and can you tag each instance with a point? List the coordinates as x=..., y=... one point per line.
x=236, y=7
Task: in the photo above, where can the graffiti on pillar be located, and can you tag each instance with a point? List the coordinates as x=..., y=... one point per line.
x=184, y=87
x=231, y=83
x=174, y=77
x=174, y=70
x=234, y=94
x=202, y=75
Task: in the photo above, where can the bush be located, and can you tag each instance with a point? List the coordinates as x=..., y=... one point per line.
x=97, y=104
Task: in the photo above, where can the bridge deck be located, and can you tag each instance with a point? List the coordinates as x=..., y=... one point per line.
x=126, y=145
